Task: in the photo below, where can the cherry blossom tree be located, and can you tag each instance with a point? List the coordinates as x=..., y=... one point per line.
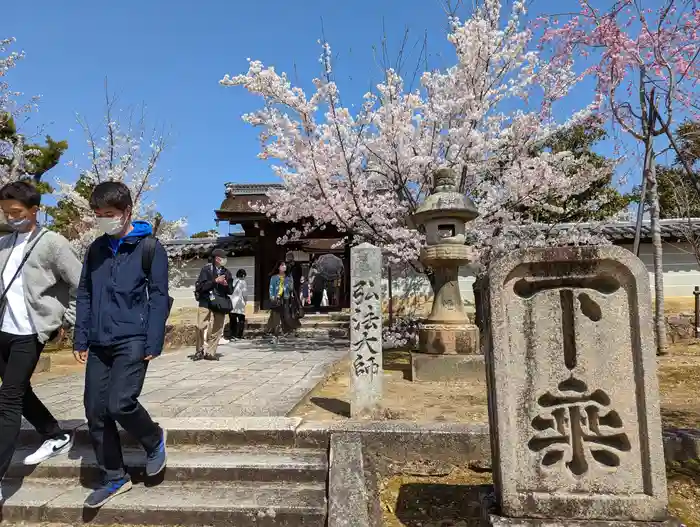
x=645, y=62
x=486, y=117
x=124, y=149
x=16, y=158
x=9, y=105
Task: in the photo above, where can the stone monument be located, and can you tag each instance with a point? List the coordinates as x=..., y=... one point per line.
x=448, y=341
x=573, y=394
x=366, y=366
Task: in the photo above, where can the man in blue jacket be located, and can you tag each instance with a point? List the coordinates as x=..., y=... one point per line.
x=122, y=308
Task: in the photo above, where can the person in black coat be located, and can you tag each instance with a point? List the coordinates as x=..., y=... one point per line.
x=294, y=270
x=213, y=292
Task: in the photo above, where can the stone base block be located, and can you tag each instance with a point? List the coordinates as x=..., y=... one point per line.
x=493, y=520
x=464, y=368
x=448, y=339
x=490, y=518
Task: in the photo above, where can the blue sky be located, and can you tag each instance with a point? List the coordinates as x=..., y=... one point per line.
x=171, y=55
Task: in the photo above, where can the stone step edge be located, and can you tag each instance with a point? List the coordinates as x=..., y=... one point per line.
x=222, y=465
x=679, y=444
x=303, y=330
x=308, y=324
x=274, y=431
x=169, y=504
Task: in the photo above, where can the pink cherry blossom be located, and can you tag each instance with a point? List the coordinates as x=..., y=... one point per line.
x=366, y=171
x=631, y=50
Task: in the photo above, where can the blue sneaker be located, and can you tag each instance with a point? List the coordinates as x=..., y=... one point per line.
x=156, y=460
x=99, y=497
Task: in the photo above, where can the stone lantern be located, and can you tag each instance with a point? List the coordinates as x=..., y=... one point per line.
x=449, y=342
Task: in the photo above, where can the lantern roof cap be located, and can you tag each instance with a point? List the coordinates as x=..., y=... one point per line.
x=445, y=201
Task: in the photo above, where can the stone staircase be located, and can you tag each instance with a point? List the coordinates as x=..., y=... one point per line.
x=330, y=325
x=215, y=477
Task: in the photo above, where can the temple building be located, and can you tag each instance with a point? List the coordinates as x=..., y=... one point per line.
x=250, y=238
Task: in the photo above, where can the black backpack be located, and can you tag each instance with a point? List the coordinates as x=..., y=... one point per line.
x=149, y=252
x=198, y=289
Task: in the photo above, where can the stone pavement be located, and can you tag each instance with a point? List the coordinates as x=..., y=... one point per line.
x=252, y=378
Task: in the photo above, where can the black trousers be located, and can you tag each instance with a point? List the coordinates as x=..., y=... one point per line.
x=19, y=355
x=236, y=323
x=113, y=382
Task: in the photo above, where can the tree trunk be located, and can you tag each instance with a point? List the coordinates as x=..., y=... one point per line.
x=17, y=165
x=640, y=215
x=659, y=315
x=391, y=296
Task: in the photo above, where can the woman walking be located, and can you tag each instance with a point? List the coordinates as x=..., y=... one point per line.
x=282, y=319
x=238, y=299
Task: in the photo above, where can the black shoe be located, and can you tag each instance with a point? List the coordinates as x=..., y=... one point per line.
x=211, y=357
x=199, y=355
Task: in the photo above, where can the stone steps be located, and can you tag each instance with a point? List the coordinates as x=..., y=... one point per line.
x=172, y=503
x=308, y=318
x=200, y=432
x=189, y=464
x=331, y=333
x=332, y=325
x=310, y=324
x=244, y=472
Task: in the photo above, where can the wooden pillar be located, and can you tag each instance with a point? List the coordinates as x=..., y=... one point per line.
x=345, y=303
x=259, y=274
x=268, y=256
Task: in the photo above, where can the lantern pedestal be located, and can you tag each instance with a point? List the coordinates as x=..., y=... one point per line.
x=448, y=342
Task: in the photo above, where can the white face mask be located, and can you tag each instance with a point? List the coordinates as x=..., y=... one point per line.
x=111, y=226
x=222, y=262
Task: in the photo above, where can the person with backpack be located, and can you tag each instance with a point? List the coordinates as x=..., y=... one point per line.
x=212, y=291
x=39, y=275
x=122, y=308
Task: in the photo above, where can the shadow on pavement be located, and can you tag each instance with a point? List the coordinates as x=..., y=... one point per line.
x=335, y=406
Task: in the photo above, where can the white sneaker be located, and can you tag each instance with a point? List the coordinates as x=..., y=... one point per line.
x=223, y=341
x=50, y=448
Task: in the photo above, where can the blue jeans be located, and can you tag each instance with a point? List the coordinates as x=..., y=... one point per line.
x=113, y=381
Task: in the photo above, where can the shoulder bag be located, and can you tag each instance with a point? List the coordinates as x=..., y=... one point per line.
x=3, y=296
x=217, y=302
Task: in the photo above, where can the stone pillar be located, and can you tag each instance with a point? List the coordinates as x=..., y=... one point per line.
x=366, y=367
x=572, y=390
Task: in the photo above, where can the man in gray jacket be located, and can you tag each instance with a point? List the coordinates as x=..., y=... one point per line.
x=39, y=275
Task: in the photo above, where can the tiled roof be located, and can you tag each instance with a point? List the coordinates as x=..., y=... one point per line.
x=202, y=247
x=617, y=232
x=623, y=232
x=250, y=189
x=239, y=198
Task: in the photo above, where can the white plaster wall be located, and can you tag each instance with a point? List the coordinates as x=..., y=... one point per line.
x=681, y=270
x=183, y=295
x=681, y=275
x=405, y=283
